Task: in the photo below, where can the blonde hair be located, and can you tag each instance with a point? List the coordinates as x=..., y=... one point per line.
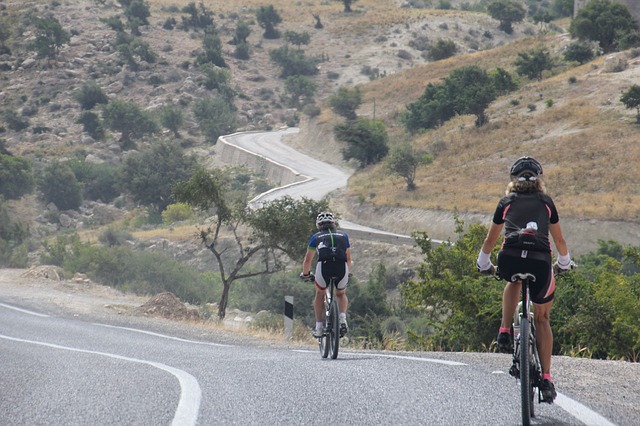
x=525, y=186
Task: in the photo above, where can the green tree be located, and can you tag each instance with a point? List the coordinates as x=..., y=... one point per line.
x=533, y=63
x=347, y=5
x=150, y=176
x=16, y=178
x=91, y=124
x=367, y=140
x=579, y=51
x=301, y=90
x=98, y=181
x=211, y=51
x=430, y=110
x=403, y=161
x=199, y=17
x=171, y=117
x=5, y=33
x=138, y=9
x=59, y=186
x=218, y=79
x=90, y=95
x=242, y=32
x=270, y=234
x=461, y=308
x=441, y=49
x=472, y=92
x=14, y=235
x=507, y=12
x=346, y=101
x=293, y=61
x=128, y=119
x=134, y=50
x=296, y=38
x=502, y=81
x=50, y=37
x=607, y=22
x=215, y=117
x=631, y=99
x=268, y=18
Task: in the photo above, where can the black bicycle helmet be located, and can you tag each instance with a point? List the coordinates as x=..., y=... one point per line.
x=325, y=218
x=526, y=167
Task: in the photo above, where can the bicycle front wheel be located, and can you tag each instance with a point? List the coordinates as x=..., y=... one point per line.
x=525, y=372
x=334, y=329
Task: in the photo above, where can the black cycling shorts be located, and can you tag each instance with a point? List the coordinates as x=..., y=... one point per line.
x=514, y=261
x=327, y=269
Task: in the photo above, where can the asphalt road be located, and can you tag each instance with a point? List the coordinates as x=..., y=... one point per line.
x=57, y=370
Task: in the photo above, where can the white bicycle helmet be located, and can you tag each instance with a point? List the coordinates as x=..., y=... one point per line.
x=325, y=218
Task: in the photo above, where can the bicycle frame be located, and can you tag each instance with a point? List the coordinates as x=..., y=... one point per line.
x=330, y=340
x=526, y=361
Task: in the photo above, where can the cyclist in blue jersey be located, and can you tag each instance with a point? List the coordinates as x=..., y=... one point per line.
x=528, y=215
x=334, y=260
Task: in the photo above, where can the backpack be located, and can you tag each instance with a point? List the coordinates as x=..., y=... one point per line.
x=332, y=245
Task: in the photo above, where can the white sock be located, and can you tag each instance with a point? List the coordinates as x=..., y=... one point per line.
x=343, y=315
x=319, y=325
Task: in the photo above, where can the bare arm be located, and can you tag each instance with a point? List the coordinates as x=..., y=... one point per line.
x=306, y=263
x=558, y=239
x=349, y=259
x=491, y=238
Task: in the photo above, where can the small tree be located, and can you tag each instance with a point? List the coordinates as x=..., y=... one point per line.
x=278, y=230
x=404, y=161
x=347, y=5
x=90, y=95
x=215, y=117
x=211, y=51
x=631, y=99
x=300, y=89
x=533, y=63
x=297, y=39
x=5, y=33
x=50, y=37
x=138, y=10
x=367, y=140
x=91, y=124
x=16, y=178
x=59, y=186
x=171, y=118
x=579, y=51
x=346, y=101
x=607, y=22
x=128, y=119
x=293, y=61
x=150, y=176
x=441, y=49
x=507, y=12
x=242, y=33
x=268, y=17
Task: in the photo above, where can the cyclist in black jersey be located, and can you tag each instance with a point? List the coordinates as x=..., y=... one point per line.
x=334, y=260
x=528, y=215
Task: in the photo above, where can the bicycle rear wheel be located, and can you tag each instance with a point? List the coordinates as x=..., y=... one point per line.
x=525, y=372
x=324, y=340
x=334, y=329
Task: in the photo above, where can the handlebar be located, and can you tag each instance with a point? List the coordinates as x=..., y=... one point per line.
x=309, y=277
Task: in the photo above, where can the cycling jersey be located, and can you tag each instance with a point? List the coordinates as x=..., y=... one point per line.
x=331, y=246
x=528, y=211
x=526, y=248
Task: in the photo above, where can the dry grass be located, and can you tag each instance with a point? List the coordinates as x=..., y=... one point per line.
x=587, y=141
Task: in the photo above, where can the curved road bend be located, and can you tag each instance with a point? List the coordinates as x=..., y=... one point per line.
x=318, y=179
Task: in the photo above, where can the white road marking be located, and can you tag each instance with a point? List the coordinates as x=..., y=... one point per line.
x=412, y=358
x=581, y=412
x=24, y=311
x=164, y=336
x=190, y=393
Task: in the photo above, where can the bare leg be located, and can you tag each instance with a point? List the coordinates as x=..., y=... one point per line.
x=510, y=298
x=343, y=301
x=544, y=335
x=318, y=304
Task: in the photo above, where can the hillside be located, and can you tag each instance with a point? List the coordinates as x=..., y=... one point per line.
x=586, y=140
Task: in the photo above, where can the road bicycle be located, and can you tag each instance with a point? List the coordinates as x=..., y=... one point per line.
x=526, y=361
x=329, y=342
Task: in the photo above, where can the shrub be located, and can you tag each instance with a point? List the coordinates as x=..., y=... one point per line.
x=90, y=95
x=91, y=124
x=177, y=213
x=442, y=49
x=59, y=186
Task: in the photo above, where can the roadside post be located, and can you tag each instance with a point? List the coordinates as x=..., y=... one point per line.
x=288, y=317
